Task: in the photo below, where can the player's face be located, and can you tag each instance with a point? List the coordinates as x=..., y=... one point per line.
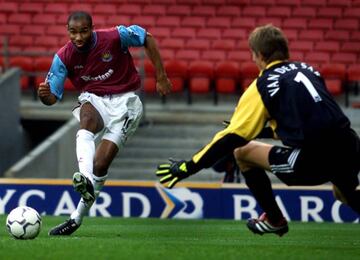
x=79, y=32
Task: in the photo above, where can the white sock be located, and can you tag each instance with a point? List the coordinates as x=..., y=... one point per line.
x=83, y=208
x=85, y=151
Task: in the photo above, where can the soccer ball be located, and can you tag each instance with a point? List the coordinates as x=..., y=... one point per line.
x=23, y=223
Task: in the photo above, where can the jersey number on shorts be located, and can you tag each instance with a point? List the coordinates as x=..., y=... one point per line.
x=300, y=77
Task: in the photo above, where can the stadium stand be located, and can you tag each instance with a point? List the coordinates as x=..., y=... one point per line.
x=320, y=32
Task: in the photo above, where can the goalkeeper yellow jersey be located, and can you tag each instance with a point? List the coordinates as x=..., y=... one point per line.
x=289, y=96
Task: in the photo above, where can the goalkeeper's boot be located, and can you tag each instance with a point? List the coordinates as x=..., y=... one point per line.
x=84, y=186
x=262, y=225
x=64, y=229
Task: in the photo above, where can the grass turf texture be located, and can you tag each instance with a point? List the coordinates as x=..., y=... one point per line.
x=120, y=238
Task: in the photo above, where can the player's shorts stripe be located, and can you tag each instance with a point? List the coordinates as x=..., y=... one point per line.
x=293, y=156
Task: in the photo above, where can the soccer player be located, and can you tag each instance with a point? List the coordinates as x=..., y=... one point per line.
x=100, y=66
x=290, y=97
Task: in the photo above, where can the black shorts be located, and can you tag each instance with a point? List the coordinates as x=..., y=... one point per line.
x=338, y=162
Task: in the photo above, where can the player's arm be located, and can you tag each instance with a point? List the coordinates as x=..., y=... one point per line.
x=136, y=36
x=246, y=123
x=52, y=89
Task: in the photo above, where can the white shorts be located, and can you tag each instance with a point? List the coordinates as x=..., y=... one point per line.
x=121, y=114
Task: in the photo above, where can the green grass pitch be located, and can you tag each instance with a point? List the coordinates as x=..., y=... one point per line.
x=120, y=238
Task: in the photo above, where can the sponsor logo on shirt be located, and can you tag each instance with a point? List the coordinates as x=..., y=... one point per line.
x=78, y=67
x=106, y=56
x=104, y=76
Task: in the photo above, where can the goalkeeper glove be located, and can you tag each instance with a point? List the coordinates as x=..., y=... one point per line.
x=172, y=172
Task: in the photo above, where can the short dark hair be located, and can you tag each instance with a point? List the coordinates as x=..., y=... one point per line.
x=270, y=42
x=77, y=15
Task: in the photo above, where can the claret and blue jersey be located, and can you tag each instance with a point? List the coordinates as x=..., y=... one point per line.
x=105, y=68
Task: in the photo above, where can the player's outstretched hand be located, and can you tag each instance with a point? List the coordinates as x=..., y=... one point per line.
x=173, y=172
x=163, y=85
x=44, y=90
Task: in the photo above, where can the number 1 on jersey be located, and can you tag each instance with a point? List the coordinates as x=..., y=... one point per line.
x=300, y=77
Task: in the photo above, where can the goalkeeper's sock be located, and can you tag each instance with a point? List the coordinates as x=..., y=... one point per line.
x=260, y=186
x=85, y=151
x=83, y=208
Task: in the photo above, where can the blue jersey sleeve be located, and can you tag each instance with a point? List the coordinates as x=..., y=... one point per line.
x=57, y=76
x=132, y=36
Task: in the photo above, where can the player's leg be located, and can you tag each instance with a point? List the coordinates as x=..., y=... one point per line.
x=105, y=153
x=90, y=123
x=253, y=160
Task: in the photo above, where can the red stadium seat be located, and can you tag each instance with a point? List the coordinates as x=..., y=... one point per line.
x=248, y=73
x=224, y=44
x=114, y=20
x=129, y=9
x=342, y=3
x=301, y=45
x=254, y=11
x=21, y=40
x=150, y=80
x=172, y=43
x=167, y=54
x=19, y=18
x=80, y=6
x=294, y=23
x=218, y=22
x=187, y=55
x=318, y=3
x=193, y=21
x=296, y=55
x=244, y=22
x=6, y=7
x=226, y=76
x=31, y=8
x=104, y=9
x=328, y=46
x=234, y=33
x=270, y=19
x=228, y=11
x=347, y=24
x=317, y=58
x=44, y=19
x=209, y=33
x=266, y=3
x=334, y=75
x=279, y=11
x=292, y=3
x=312, y=35
x=144, y=21
x=41, y=67
x=304, y=11
x=168, y=21
x=350, y=46
x=185, y=33
x=177, y=73
x=200, y=75
x=203, y=10
x=352, y=12
x=213, y=55
x=35, y=30
x=329, y=12
x=337, y=35
x=353, y=73
x=180, y=10
x=56, y=8
x=155, y=10
x=345, y=58
x=239, y=56
x=197, y=44
x=26, y=65
x=320, y=23
x=159, y=32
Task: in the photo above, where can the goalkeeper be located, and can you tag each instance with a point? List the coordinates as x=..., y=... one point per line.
x=319, y=144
